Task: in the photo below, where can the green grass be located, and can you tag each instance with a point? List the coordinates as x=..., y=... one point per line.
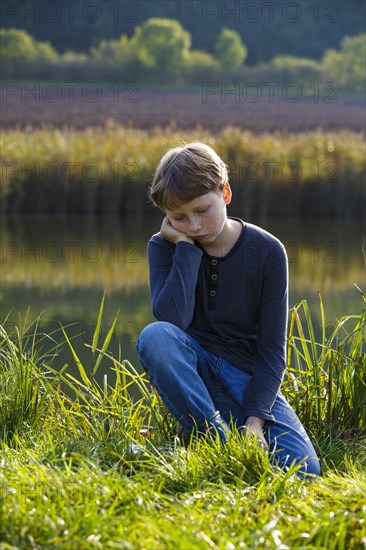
x=85, y=465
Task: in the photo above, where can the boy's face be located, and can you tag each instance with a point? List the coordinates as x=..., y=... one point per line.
x=203, y=218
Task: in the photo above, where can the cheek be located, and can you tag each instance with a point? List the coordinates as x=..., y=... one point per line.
x=214, y=222
x=211, y=219
x=177, y=225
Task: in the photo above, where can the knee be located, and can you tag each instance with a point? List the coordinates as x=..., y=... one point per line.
x=150, y=334
x=156, y=348
x=153, y=339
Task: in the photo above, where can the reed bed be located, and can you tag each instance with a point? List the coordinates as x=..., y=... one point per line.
x=85, y=465
x=326, y=379
x=106, y=170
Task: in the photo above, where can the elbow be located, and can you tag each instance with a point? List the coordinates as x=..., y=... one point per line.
x=170, y=316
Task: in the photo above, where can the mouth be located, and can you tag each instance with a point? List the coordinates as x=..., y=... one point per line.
x=200, y=237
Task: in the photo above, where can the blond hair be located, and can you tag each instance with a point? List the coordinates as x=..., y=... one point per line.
x=185, y=173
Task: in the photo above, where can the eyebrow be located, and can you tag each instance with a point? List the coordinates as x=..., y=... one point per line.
x=178, y=213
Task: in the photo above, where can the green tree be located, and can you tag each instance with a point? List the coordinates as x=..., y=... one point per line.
x=19, y=51
x=200, y=66
x=347, y=66
x=319, y=25
x=162, y=45
x=121, y=59
x=230, y=50
x=289, y=68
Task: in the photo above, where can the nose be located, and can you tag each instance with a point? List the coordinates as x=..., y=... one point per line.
x=194, y=225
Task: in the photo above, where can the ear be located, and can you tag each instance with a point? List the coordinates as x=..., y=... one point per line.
x=227, y=193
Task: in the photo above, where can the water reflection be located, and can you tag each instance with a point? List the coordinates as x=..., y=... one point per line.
x=60, y=268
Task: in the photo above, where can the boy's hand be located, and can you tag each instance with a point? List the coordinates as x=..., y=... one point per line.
x=253, y=427
x=168, y=232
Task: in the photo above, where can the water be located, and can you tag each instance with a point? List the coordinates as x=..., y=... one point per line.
x=60, y=268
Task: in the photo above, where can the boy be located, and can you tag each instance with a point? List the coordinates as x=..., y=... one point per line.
x=219, y=292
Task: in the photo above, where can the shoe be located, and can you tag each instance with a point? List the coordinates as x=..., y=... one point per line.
x=184, y=436
x=218, y=426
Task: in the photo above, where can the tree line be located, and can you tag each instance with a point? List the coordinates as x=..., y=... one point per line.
x=160, y=51
x=268, y=28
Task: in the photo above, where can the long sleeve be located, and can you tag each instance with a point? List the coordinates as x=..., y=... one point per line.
x=270, y=361
x=173, y=280
x=235, y=306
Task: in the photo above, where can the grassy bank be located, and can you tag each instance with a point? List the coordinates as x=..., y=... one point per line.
x=91, y=467
x=104, y=171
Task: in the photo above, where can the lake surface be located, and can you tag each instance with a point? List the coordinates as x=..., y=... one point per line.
x=60, y=267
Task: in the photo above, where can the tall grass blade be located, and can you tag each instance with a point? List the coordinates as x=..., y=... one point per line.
x=105, y=345
x=79, y=365
x=98, y=325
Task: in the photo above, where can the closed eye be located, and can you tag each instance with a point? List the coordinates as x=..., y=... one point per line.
x=180, y=218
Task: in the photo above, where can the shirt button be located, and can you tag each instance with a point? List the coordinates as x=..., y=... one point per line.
x=212, y=292
x=214, y=277
x=213, y=262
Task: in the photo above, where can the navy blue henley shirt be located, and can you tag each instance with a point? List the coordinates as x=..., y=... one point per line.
x=235, y=306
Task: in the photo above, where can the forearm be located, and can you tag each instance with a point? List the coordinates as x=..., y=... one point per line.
x=270, y=363
x=262, y=390
x=173, y=285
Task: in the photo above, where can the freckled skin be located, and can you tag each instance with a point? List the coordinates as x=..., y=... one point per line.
x=203, y=216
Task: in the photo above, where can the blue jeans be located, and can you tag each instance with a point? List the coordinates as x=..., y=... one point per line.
x=194, y=383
